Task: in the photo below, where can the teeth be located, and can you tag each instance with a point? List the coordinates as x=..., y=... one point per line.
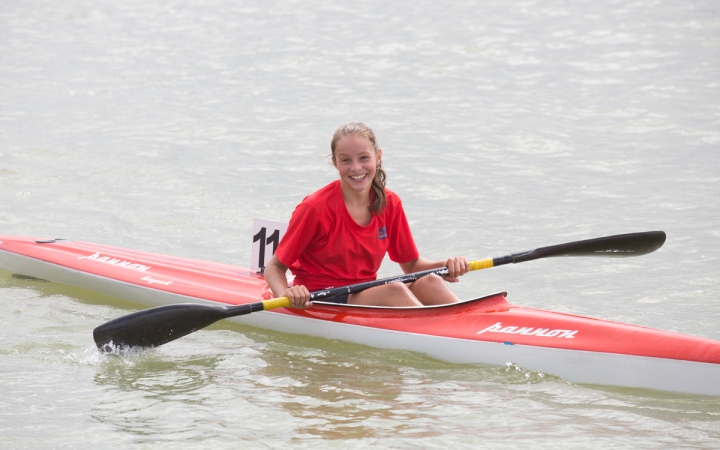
x=357, y=177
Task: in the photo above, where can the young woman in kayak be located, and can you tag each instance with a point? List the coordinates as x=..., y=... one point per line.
x=339, y=235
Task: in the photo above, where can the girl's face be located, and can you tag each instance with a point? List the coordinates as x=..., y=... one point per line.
x=356, y=162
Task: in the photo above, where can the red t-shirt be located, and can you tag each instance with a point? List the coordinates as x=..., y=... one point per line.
x=324, y=247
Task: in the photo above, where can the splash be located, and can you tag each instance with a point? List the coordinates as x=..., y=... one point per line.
x=123, y=351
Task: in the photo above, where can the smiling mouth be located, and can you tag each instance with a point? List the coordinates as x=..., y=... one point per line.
x=358, y=177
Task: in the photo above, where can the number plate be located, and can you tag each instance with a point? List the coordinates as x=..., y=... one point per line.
x=266, y=237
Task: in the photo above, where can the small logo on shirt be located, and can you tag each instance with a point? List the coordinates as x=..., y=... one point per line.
x=382, y=232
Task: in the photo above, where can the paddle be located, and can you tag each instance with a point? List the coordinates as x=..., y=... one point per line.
x=157, y=326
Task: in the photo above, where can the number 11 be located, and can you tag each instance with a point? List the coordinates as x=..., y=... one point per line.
x=260, y=236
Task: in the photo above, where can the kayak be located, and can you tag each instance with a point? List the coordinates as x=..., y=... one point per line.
x=486, y=330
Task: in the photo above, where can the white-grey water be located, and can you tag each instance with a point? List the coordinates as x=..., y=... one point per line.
x=167, y=126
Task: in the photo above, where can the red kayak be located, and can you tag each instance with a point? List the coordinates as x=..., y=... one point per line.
x=486, y=330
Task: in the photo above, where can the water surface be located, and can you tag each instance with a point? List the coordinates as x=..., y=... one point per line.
x=167, y=126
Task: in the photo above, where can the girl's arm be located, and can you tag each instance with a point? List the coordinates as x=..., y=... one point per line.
x=276, y=278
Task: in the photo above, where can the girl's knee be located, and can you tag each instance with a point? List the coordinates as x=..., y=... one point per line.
x=400, y=289
x=433, y=291
x=431, y=280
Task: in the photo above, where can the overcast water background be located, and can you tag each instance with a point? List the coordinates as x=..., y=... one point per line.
x=167, y=126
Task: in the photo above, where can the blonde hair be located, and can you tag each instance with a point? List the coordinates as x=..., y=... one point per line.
x=378, y=183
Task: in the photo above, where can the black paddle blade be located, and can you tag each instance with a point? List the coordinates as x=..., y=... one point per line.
x=157, y=326
x=621, y=245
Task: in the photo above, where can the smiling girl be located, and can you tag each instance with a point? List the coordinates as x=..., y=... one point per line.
x=339, y=235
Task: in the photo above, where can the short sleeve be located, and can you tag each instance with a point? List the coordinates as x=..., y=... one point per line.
x=402, y=246
x=301, y=230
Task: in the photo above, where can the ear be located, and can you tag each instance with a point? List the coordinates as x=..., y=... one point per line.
x=379, y=154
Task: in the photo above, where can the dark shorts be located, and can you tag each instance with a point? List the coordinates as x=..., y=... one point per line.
x=343, y=298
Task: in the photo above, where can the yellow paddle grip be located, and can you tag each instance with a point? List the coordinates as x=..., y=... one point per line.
x=481, y=264
x=276, y=303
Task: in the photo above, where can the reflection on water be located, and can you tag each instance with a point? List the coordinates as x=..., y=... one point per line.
x=342, y=391
x=28, y=278
x=350, y=393
x=148, y=396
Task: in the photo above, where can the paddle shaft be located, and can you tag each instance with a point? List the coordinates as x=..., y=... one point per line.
x=622, y=245
x=157, y=326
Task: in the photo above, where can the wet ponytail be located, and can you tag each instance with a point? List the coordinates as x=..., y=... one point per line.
x=378, y=183
x=378, y=188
